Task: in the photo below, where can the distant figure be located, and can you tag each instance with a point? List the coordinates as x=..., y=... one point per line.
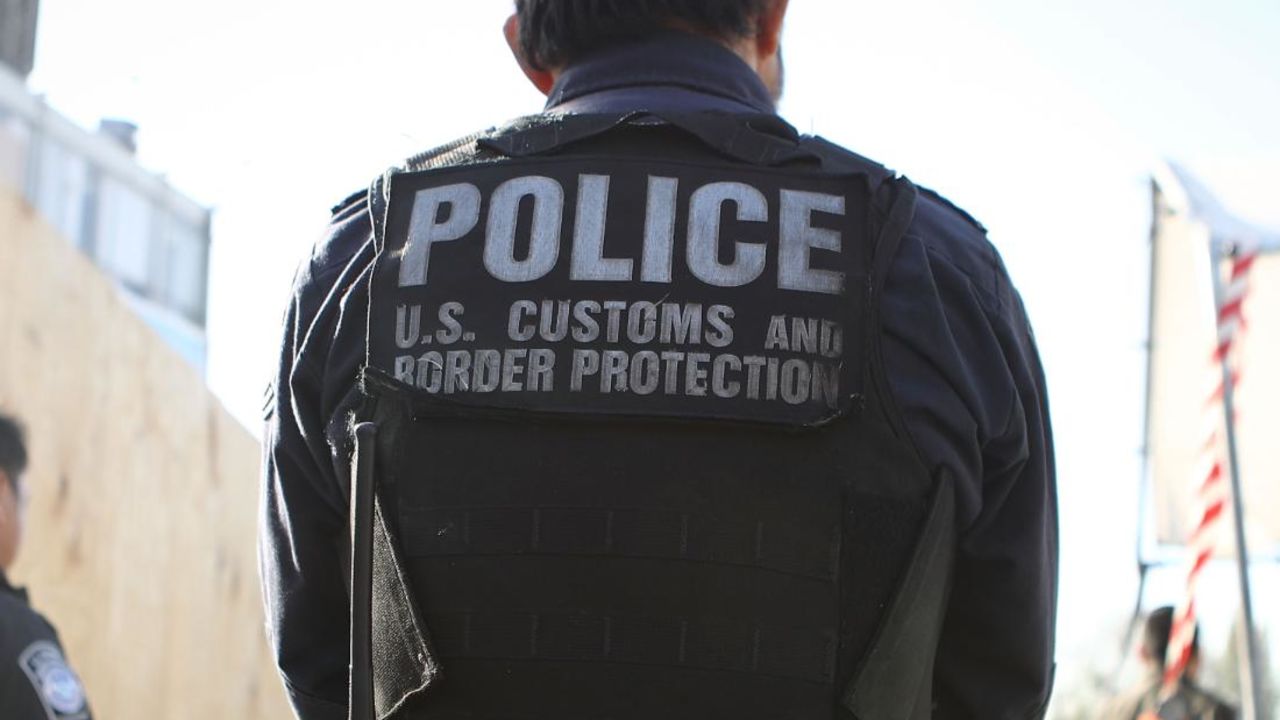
x=35, y=681
x=1145, y=702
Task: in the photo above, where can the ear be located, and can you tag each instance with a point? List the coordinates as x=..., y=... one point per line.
x=769, y=32
x=541, y=79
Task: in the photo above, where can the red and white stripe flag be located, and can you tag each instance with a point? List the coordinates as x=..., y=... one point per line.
x=1212, y=491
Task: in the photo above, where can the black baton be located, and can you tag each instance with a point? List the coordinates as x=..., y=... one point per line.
x=361, y=688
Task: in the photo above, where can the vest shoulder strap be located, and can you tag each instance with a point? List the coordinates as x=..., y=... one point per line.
x=839, y=159
x=937, y=197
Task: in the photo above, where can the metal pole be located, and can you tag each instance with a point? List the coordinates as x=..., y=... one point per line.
x=1144, y=479
x=1131, y=632
x=1250, y=688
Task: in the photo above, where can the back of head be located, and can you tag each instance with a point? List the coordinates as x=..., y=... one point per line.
x=13, y=462
x=1155, y=639
x=13, y=449
x=554, y=33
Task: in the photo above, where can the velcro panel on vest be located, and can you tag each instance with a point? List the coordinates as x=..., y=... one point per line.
x=894, y=681
x=624, y=287
x=405, y=662
x=688, y=567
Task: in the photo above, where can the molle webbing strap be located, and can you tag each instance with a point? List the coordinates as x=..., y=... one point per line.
x=744, y=539
x=700, y=644
x=693, y=563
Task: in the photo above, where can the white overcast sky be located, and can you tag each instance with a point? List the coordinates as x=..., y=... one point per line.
x=1042, y=118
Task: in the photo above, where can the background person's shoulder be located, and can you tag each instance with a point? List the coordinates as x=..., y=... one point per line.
x=20, y=624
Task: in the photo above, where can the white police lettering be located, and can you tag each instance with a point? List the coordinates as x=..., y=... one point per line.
x=588, y=261
x=638, y=347
x=544, y=241
x=669, y=290
x=451, y=213
x=642, y=322
x=517, y=328
x=726, y=376
x=704, y=234
x=799, y=236
x=408, y=326
x=807, y=335
x=426, y=228
x=659, y=230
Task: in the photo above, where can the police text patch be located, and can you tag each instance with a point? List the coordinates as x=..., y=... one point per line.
x=627, y=287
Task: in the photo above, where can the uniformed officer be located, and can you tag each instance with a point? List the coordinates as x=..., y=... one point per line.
x=35, y=681
x=658, y=409
x=1148, y=699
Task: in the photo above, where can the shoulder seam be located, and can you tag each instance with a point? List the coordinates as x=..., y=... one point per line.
x=991, y=301
x=823, y=146
x=942, y=200
x=348, y=201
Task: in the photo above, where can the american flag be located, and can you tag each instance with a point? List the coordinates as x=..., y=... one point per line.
x=1212, y=491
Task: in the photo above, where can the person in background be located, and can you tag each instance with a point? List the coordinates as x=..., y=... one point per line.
x=1147, y=701
x=36, y=683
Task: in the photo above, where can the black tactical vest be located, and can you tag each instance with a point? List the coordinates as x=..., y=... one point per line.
x=628, y=451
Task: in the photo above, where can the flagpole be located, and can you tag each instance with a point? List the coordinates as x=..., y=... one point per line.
x=1250, y=688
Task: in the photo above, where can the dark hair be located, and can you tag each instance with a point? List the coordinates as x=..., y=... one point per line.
x=1155, y=638
x=13, y=449
x=556, y=32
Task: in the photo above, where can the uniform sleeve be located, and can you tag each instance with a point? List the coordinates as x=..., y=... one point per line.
x=965, y=371
x=303, y=544
x=998, y=640
x=18, y=698
x=36, y=681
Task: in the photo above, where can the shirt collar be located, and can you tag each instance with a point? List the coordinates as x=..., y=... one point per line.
x=669, y=68
x=6, y=588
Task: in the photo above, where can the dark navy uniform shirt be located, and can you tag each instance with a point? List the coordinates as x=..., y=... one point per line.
x=35, y=681
x=961, y=361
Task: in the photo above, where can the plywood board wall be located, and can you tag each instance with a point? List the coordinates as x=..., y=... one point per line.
x=143, y=495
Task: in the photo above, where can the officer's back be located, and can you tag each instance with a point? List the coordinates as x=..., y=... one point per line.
x=678, y=413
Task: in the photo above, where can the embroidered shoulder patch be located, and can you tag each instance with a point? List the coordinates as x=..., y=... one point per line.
x=55, y=683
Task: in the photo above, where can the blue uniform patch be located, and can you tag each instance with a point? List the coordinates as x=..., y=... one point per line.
x=54, y=681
